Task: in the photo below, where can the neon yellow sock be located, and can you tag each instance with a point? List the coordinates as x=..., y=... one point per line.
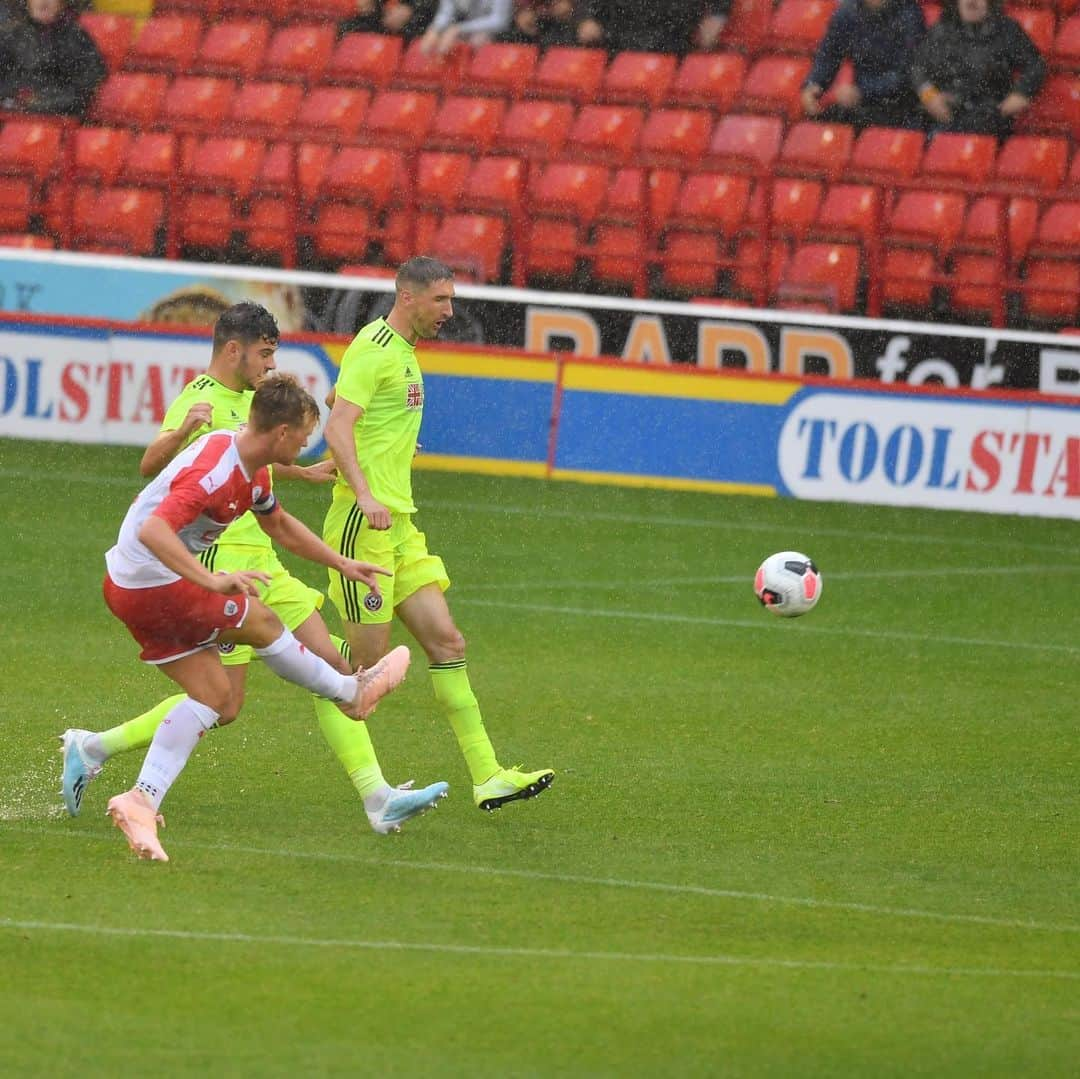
x=137, y=733
x=452, y=690
x=350, y=741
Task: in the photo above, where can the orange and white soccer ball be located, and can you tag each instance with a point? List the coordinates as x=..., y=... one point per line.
x=788, y=584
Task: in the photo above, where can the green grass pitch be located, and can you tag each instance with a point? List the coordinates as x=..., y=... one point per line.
x=842, y=845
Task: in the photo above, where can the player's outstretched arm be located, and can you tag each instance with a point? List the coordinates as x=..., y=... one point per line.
x=169, y=443
x=344, y=416
x=162, y=542
x=320, y=472
x=295, y=536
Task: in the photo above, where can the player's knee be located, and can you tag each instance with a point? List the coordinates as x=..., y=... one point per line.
x=261, y=627
x=446, y=646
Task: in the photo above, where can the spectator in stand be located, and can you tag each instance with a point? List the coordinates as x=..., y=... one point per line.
x=879, y=37
x=474, y=22
x=546, y=23
x=48, y=62
x=389, y=17
x=977, y=69
x=678, y=26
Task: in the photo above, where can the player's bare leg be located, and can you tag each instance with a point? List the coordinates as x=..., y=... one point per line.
x=427, y=617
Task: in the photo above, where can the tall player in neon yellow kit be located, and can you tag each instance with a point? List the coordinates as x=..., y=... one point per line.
x=372, y=432
x=245, y=341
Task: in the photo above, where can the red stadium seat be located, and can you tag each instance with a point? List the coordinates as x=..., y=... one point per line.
x=967, y=159
x=827, y=273
x=473, y=244
x=1032, y=162
x=198, y=102
x=419, y=70
x=294, y=169
x=127, y=218
x=204, y=220
x=152, y=158
x=616, y=259
x=1066, y=49
x=886, y=154
x=798, y=25
x=31, y=148
x=364, y=60
x=569, y=73
x=711, y=202
x=233, y=48
x=495, y=184
x=17, y=203
x=100, y=153
x=264, y=108
x=334, y=111
x=1039, y=23
x=747, y=24
x=225, y=164
x=774, y=84
x=535, y=128
x=440, y=179
x=400, y=118
x=501, y=68
x=567, y=190
x=926, y=219
x=709, y=80
x=551, y=250
x=404, y=232
x=675, y=138
x=130, y=98
x=691, y=261
x=638, y=78
x=298, y=53
x=1051, y=290
x=975, y=285
x=749, y=143
x=467, y=123
x=983, y=226
x=166, y=43
x=1058, y=232
x=849, y=211
x=759, y=267
x=643, y=197
x=370, y=175
x=341, y=231
x=817, y=150
x=1055, y=109
x=111, y=33
x=604, y=134
x=793, y=206
x=908, y=277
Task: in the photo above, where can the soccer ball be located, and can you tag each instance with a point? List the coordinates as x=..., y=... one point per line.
x=788, y=584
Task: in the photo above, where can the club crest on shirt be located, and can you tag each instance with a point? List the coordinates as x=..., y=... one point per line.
x=373, y=601
x=231, y=607
x=226, y=648
x=414, y=395
x=256, y=494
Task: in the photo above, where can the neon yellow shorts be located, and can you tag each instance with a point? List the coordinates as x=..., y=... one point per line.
x=402, y=548
x=290, y=599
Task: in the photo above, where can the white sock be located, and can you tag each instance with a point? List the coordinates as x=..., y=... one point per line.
x=174, y=741
x=290, y=660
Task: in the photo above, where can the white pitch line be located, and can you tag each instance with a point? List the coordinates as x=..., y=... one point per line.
x=493, y=951
x=772, y=625
x=469, y=869
x=744, y=578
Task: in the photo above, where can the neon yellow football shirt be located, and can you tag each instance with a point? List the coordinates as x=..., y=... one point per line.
x=230, y=413
x=379, y=374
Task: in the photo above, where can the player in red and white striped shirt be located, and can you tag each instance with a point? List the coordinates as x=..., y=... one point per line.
x=179, y=611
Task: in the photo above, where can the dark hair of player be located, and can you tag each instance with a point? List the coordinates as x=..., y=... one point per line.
x=421, y=272
x=281, y=399
x=247, y=323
